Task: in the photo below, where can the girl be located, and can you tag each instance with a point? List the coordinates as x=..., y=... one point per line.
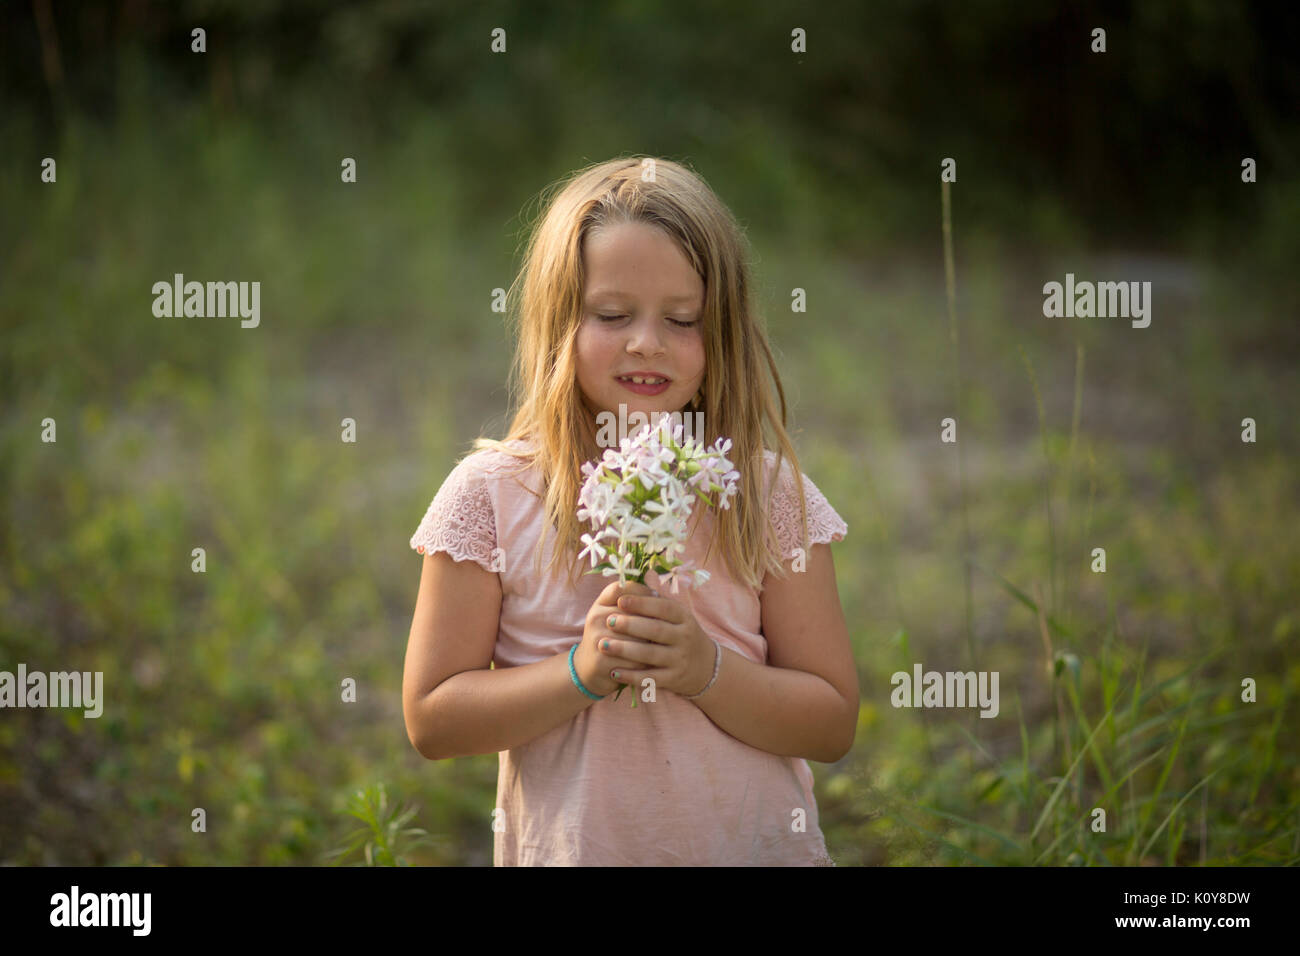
x=635, y=292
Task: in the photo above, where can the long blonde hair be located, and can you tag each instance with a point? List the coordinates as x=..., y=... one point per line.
x=545, y=307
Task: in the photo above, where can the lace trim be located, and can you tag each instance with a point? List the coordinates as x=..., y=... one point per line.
x=824, y=523
x=460, y=520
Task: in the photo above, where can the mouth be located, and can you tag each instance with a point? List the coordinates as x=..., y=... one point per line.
x=648, y=384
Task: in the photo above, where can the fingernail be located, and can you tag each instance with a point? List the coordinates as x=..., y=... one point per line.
x=614, y=674
x=605, y=645
x=612, y=619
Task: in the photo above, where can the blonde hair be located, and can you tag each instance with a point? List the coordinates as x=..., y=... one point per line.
x=545, y=306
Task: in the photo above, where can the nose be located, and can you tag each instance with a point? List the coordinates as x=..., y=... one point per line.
x=644, y=338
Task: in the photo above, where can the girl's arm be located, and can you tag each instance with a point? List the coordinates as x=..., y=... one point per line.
x=453, y=704
x=804, y=701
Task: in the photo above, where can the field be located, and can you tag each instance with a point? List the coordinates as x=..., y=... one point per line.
x=1121, y=691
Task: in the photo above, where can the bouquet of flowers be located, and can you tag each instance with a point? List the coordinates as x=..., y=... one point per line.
x=639, y=500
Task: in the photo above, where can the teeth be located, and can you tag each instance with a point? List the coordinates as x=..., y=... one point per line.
x=644, y=381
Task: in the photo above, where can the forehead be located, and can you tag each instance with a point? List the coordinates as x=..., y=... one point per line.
x=619, y=294
x=638, y=261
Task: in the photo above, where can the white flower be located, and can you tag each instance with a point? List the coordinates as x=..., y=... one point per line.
x=590, y=506
x=640, y=499
x=635, y=530
x=673, y=578
x=664, y=532
x=669, y=501
x=652, y=466
x=623, y=566
x=593, y=548
x=682, y=574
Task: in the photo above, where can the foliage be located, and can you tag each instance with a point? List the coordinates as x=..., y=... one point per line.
x=385, y=834
x=222, y=687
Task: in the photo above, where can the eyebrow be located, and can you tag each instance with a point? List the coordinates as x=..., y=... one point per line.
x=616, y=294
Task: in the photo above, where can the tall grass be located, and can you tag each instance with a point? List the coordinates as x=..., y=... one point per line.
x=182, y=434
x=1126, y=767
x=950, y=286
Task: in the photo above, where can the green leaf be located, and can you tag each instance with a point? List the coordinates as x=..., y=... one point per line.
x=1023, y=598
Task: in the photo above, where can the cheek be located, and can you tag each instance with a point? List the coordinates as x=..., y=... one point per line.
x=591, y=354
x=694, y=356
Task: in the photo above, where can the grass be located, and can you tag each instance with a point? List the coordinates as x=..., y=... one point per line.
x=1122, y=690
x=1116, y=768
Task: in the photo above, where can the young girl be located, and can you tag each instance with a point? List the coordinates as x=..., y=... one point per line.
x=635, y=292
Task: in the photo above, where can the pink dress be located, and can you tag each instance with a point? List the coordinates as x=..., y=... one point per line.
x=655, y=785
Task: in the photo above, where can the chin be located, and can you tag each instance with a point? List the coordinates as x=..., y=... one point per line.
x=659, y=408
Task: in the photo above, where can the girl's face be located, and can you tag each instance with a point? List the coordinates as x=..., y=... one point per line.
x=642, y=315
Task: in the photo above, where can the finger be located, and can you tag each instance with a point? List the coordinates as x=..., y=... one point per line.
x=645, y=628
x=609, y=597
x=616, y=652
x=656, y=607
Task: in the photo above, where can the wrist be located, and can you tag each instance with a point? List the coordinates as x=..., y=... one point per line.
x=711, y=678
x=590, y=687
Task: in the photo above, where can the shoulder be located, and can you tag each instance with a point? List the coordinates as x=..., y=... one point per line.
x=785, y=481
x=786, y=487
x=461, y=519
x=485, y=465
x=787, y=510
x=769, y=463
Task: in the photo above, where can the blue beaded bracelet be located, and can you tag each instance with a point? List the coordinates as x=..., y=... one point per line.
x=573, y=675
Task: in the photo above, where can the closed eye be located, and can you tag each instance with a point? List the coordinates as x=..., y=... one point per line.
x=676, y=322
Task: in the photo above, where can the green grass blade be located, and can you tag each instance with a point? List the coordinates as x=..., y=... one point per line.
x=1110, y=793
x=1024, y=599
x=1051, y=801
x=1102, y=769
x=1160, y=828
x=992, y=762
x=1160, y=786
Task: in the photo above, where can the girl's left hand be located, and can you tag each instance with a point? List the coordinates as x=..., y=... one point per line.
x=679, y=656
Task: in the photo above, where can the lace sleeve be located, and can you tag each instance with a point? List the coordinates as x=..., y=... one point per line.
x=460, y=520
x=824, y=523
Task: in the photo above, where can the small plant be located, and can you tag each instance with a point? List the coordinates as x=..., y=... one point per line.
x=385, y=839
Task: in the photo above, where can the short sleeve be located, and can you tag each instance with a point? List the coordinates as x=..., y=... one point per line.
x=460, y=520
x=824, y=523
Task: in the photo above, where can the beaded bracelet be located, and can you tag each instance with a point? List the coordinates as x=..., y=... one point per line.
x=573, y=675
x=717, y=662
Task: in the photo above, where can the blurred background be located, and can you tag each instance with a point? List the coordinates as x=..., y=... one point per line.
x=1119, y=690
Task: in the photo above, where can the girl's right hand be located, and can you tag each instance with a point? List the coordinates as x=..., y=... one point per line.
x=592, y=664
